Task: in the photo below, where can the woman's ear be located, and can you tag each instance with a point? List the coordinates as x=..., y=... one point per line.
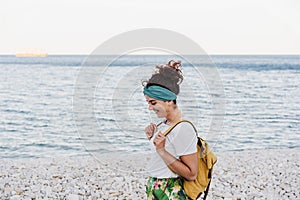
x=170, y=103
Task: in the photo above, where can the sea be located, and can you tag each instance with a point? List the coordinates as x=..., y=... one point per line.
x=66, y=105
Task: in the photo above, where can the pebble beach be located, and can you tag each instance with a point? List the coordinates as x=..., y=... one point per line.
x=263, y=174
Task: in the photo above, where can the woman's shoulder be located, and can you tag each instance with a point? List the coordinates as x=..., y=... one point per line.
x=184, y=136
x=185, y=126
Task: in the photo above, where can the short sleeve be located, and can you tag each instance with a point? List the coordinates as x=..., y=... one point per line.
x=184, y=139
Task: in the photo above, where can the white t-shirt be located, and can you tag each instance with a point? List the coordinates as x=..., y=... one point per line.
x=182, y=140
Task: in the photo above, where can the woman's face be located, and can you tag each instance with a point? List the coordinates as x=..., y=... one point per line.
x=158, y=106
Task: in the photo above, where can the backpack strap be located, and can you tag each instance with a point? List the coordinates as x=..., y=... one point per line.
x=175, y=124
x=206, y=190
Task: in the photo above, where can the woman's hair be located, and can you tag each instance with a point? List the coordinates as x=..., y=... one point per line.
x=168, y=76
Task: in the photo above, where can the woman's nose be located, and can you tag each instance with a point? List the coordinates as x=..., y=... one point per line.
x=150, y=107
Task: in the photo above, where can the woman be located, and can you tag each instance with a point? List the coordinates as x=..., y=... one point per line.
x=175, y=155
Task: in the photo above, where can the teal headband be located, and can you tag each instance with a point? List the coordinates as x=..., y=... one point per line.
x=159, y=93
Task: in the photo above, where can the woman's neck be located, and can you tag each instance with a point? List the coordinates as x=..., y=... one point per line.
x=174, y=117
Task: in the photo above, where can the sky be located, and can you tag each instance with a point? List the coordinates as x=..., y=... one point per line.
x=218, y=26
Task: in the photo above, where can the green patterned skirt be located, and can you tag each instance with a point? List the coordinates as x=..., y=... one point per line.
x=165, y=189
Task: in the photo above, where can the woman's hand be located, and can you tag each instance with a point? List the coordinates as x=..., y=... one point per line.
x=159, y=142
x=150, y=130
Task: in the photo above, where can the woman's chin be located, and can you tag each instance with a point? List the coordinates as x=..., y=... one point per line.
x=159, y=116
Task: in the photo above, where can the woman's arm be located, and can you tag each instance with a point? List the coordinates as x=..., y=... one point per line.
x=186, y=167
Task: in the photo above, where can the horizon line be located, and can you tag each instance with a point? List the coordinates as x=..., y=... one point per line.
x=217, y=54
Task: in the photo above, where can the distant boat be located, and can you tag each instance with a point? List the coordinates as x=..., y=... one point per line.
x=31, y=55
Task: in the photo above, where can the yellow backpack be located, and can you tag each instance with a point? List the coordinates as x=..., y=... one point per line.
x=206, y=161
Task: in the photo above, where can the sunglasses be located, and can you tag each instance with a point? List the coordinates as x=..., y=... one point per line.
x=152, y=102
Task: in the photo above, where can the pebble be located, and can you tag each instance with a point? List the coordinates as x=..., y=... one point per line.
x=73, y=197
x=237, y=175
